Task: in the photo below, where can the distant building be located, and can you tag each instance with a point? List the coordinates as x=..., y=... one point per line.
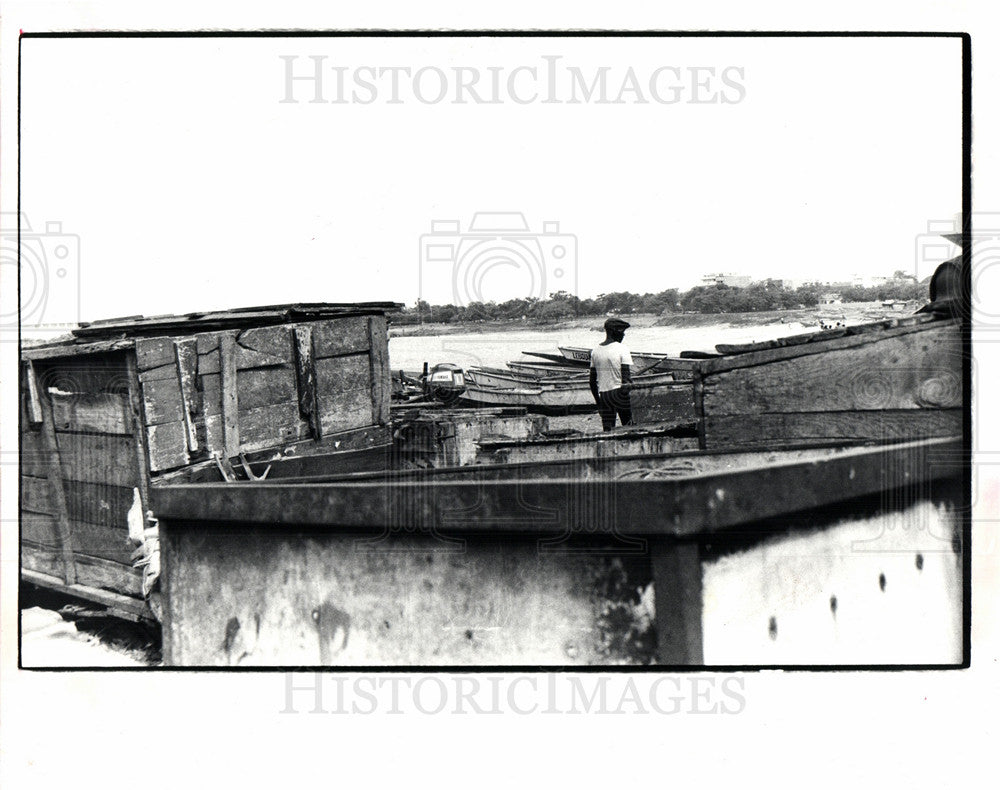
x=868, y=281
x=732, y=280
x=830, y=297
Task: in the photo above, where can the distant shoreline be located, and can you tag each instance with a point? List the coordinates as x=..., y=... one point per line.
x=853, y=312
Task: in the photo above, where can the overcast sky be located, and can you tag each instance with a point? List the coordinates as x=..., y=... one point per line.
x=192, y=185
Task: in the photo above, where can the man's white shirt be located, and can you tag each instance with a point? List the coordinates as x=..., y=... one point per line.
x=607, y=360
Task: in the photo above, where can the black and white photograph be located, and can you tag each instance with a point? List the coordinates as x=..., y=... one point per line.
x=532, y=369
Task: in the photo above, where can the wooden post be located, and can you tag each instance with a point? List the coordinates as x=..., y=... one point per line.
x=305, y=380
x=186, y=357
x=63, y=528
x=139, y=422
x=678, y=593
x=230, y=396
x=379, y=367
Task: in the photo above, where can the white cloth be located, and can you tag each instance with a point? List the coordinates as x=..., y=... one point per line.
x=607, y=361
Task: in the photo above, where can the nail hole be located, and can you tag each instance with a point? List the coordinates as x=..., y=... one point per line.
x=833, y=605
x=881, y=582
x=920, y=562
x=772, y=628
x=468, y=634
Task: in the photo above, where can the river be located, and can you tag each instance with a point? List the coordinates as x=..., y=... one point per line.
x=496, y=348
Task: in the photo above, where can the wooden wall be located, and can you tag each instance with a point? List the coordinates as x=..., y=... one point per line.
x=81, y=471
x=95, y=426
x=904, y=382
x=254, y=389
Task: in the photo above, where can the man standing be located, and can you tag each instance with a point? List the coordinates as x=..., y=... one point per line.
x=611, y=376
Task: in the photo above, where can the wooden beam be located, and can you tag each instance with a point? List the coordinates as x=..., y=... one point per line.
x=34, y=403
x=305, y=380
x=379, y=366
x=51, y=447
x=119, y=605
x=777, y=430
x=719, y=364
x=230, y=395
x=140, y=438
x=186, y=359
x=677, y=585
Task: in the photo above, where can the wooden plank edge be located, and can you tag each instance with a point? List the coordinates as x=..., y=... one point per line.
x=121, y=605
x=754, y=358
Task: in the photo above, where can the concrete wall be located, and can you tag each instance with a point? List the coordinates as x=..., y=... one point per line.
x=867, y=590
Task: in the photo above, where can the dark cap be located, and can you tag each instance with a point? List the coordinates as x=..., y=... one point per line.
x=616, y=323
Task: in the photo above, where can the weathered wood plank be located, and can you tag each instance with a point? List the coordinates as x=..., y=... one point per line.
x=380, y=374
x=167, y=448
x=99, y=503
x=91, y=571
x=36, y=495
x=776, y=430
x=98, y=458
x=94, y=540
x=57, y=493
x=719, y=364
x=663, y=404
x=153, y=352
x=162, y=400
x=121, y=606
x=139, y=441
x=98, y=373
x=819, y=337
x=33, y=458
x=159, y=373
x=230, y=398
x=262, y=347
x=912, y=371
x=344, y=385
x=39, y=528
x=32, y=404
x=187, y=374
x=75, y=350
x=305, y=380
x=94, y=413
x=44, y=559
x=335, y=337
x=262, y=428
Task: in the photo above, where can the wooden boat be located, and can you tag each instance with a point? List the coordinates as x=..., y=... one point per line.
x=545, y=368
x=558, y=359
x=496, y=377
x=642, y=360
x=125, y=405
x=896, y=378
x=550, y=397
x=772, y=558
x=829, y=469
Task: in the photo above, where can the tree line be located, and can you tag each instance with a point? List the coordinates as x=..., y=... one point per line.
x=756, y=297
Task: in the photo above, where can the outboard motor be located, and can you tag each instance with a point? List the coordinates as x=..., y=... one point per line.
x=445, y=382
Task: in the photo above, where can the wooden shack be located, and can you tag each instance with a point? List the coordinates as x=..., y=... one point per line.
x=124, y=405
